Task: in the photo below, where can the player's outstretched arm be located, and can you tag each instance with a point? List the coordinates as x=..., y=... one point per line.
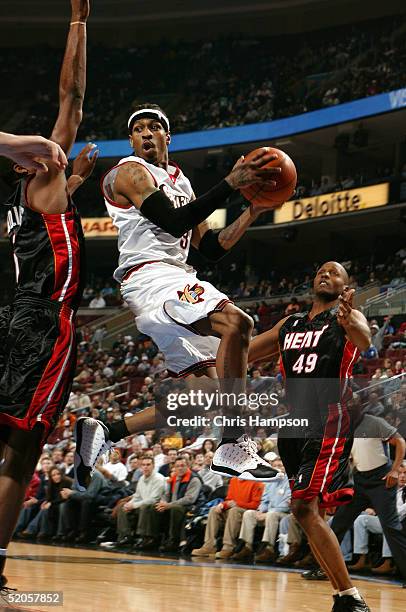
x=353, y=321
x=135, y=184
x=72, y=83
x=265, y=345
x=47, y=193
x=32, y=152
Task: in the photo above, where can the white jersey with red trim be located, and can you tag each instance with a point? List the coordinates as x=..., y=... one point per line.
x=140, y=240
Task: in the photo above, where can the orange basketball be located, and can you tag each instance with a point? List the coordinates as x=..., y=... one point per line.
x=265, y=194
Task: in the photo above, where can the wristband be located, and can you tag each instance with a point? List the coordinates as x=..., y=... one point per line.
x=77, y=22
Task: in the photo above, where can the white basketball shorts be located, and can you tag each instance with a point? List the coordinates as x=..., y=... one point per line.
x=166, y=301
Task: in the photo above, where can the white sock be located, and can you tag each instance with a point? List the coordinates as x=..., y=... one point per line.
x=3, y=552
x=335, y=593
x=353, y=592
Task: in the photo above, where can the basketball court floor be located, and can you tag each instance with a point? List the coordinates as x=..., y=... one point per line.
x=93, y=580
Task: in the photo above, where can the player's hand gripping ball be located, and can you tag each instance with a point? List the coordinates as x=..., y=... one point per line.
x=272, y=194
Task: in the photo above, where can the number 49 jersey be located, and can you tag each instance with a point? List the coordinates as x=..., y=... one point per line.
x=316, y=349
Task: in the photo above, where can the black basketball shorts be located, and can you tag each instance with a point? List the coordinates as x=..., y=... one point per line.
x=37, y=362
x=319, y=467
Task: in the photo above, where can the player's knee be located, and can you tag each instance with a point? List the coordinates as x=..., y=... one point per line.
x=238, y=323
x=21, y=456
x=302, y=510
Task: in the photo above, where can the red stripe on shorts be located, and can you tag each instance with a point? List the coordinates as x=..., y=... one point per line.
x=337, y=426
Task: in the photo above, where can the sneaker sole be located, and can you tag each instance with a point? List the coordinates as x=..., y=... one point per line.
x=243, y=476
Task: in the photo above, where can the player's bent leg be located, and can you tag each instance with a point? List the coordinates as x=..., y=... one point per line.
x=20, y=456
x=237, y=454
x=94, y=439
x=327, y=551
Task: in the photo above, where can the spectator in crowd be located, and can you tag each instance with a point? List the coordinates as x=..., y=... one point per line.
x=68, y=463
x=182, y=491
x=45, y=523
x=209, y=478
x=130, y=521
x=374, y=406
x=368, y=523
x=78, y=400
x=57, y=457
x=32, y=505
x=273, y=508
x=75, y=515
x=198, y=462
x=378, y=333
x=114, y=470
x=242, y=495
x=375, y=484
x=98, y=302
x=209, y=445
x=170, y=459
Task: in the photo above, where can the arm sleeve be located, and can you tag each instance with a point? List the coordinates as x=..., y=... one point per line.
x=210, y=246
x=176, y=221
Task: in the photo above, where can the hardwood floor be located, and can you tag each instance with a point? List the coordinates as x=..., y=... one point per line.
x=99, y=581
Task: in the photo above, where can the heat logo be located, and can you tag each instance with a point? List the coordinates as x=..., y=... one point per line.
x=301, y=340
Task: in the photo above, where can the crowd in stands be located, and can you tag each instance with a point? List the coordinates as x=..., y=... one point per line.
x=292, y=75
x=242, y=282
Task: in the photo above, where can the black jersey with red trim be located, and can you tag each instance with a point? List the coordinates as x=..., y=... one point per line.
x=317, y=360
x=48, y=251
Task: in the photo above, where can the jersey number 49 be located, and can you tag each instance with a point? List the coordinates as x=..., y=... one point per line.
x=306, y=363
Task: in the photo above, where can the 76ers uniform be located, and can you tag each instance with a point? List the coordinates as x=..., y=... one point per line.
x=37, y=336
x=163, y=291
x=317, y=360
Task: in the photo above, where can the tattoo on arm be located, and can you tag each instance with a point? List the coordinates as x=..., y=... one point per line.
x=229, y=234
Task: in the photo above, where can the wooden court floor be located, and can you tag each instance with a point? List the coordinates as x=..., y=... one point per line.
x=98, y=581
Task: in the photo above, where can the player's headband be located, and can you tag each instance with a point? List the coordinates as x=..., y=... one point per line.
x=149, y=113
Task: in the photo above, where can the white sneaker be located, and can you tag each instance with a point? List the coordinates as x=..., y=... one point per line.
x=92, y=441
x=108, y=544
x=240, y=458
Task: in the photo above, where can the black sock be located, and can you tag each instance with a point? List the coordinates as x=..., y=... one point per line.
x=117, y=430
x=232, y=434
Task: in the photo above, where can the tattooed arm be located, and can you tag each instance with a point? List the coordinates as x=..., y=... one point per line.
x=230, y=235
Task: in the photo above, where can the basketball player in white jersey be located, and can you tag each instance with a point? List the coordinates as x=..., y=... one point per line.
x=195, y=326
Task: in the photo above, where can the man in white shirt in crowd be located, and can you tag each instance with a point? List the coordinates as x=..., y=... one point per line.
x=150, y=489
x=159, y=456
x=114, y=470
x=98, y=302
x=369, y=523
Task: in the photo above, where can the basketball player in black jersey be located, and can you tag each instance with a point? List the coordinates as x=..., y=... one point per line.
x=318, y=350
x=37, y=335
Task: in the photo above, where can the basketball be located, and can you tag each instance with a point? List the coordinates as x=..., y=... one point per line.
x=265, y=194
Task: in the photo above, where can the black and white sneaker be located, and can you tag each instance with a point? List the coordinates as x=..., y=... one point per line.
x=5, y=590
x=348, y=603
x=240, y=458
x=92, y=441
